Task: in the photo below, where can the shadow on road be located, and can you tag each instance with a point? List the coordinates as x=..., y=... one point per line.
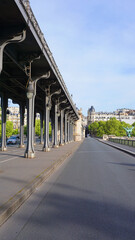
x=80, y=215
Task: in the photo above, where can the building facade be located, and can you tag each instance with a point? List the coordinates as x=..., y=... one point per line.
x=125, y=115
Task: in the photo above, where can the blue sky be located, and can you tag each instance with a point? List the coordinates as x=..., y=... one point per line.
x=93, y=43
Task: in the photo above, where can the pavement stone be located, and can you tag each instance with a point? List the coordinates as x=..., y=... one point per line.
x=19, y=176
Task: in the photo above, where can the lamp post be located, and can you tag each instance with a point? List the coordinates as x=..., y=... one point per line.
x=29, y=153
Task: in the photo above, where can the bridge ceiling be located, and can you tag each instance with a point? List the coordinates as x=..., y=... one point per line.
x=13, y=79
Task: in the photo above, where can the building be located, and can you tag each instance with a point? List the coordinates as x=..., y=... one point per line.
x=125, y=115
x=13, y=115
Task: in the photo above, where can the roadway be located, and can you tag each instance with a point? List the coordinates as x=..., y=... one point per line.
x=91, y=196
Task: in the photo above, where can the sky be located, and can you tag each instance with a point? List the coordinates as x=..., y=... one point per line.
x=93, y=44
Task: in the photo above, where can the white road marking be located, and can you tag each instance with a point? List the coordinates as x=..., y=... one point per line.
x=7, y=160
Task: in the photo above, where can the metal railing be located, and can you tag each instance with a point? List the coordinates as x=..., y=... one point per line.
x=127, y=142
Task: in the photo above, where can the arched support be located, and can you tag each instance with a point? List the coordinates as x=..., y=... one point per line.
x=16, y=39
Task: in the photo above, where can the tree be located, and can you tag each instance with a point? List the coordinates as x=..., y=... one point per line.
x=15, y=132
x=93, y=127
x=0, y=129
x=110, y=127
x=37, y=127
x=25, y=130
x=9, y=128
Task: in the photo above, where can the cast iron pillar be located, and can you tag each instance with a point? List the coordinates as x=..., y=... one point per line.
x=4, y=104
x=22, y=111
x=71, y=131
x=46, y=125
x=29, y=153
x=52, y=124
x=41, y=128
x=65, y=128
x=61, y=127
x=68, y=130
x=56, y=126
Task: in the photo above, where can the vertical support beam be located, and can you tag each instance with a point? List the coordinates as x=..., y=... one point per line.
x=30, y=153
x=41, y=128
x=52, y=131
x=71, y=131
x=61, y=127
x=46, y=125
x=55, y=126
x=68, y=130
x=22, y=111
x=65, y=125
x=4, y=104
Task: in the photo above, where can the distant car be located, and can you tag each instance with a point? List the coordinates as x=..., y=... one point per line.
x=13, y=140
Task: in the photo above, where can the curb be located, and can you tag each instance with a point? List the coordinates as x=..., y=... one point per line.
x=119, y=148
x=8, y=208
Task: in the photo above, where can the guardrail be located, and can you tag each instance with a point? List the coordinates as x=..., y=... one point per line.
x=126, y=142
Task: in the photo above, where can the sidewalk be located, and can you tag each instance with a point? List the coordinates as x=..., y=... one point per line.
x=124, y=148
x=19, y=176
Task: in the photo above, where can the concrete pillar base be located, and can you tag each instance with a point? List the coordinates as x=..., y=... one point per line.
x=55, y=146
x=47, y=149
x=21, y=146
x=3, y=149
x=29, y=155
x=61, y=144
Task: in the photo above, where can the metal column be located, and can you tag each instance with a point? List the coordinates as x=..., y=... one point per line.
x=41, y=128
x=46, y=126
x=56, y=126
x=65, y=128
x=4, y=104
x=68, y=130
x=30, y=153
x=61, y=127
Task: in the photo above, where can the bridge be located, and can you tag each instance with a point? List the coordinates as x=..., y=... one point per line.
x=30, y=77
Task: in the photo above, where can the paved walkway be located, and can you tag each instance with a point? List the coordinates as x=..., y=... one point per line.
x=19, y=176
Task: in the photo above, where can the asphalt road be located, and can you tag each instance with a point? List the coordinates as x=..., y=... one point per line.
x=91, y=196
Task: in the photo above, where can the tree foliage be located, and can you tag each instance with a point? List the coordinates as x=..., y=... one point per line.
x=9, y=128
x=110, y=127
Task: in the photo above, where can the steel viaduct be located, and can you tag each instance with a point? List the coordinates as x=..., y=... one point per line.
x=30, y=77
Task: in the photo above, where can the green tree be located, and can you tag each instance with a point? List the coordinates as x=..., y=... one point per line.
x=50, y=129
x=15, y=132
x=25, y=130
x=110, y=127
x=0, y=129
x=93, y=127
x=9, y=128
x=37, y=127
